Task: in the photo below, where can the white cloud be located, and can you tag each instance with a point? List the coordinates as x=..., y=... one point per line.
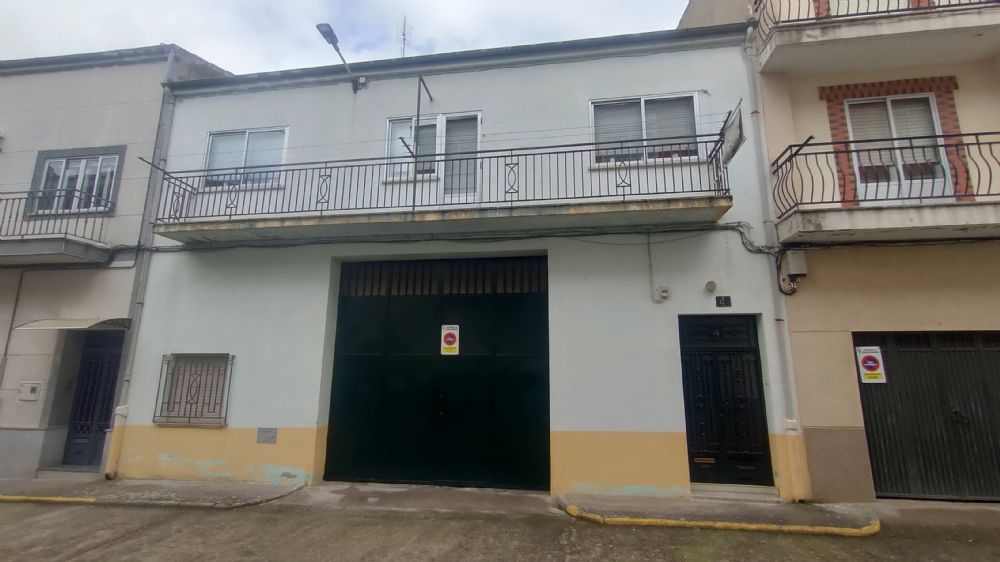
x=259, y=35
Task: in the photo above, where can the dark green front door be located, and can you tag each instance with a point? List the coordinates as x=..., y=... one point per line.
x=402, y=411
x=724, y=401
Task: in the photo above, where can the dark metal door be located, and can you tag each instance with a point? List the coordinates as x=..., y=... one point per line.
x=93, y=397
x=934, y=427
x=724, y=401
x=403, y=412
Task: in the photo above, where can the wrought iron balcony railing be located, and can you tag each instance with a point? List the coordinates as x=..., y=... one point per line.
x=964, y=167
x=607, y=172
x=770, y=14
x=49, y=213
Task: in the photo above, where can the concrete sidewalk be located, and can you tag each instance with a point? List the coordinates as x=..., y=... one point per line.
x=348, y=496
x=149, y=493
x=357, y=498
x=845, y=520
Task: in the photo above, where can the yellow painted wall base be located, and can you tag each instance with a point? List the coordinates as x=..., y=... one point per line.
x=791, y=473
x=185, y=453
x=582, y=462
x=620, y=462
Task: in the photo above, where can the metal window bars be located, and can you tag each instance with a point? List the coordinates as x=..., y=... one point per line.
x=939, y=168
x=194, y=389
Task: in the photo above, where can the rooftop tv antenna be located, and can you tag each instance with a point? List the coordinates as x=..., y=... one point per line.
x=404, y=33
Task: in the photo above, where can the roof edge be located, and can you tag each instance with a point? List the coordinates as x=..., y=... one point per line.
x=79, y=61
x=700, y=37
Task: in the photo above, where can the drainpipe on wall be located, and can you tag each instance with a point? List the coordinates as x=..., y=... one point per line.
x=799, y=484
x=10, y=330
x=113, y=449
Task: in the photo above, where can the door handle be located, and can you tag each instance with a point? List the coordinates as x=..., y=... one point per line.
x=960, y=417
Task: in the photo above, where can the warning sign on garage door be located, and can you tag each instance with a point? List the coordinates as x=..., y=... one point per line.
x=449, y=339
x=870, y=364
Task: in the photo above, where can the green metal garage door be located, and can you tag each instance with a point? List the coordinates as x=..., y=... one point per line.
x=933, y=427
x=406, y=409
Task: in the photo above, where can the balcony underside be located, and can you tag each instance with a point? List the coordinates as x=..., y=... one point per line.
x=873, y=42
x=51, y=251
x=950, y=221
x=509, y=221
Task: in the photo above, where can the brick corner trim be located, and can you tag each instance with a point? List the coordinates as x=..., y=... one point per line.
x=935, y=84
x=943, y=88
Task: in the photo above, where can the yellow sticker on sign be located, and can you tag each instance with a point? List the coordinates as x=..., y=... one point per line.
x=449, y=339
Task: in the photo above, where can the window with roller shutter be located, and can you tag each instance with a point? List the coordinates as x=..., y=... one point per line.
x=645, y=128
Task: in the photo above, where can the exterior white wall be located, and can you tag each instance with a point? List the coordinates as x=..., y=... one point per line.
x=614, y=353
x=542, y=104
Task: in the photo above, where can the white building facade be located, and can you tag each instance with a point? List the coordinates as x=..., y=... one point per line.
x=549, y=276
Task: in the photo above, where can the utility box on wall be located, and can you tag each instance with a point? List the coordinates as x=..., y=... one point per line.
x=29, y=391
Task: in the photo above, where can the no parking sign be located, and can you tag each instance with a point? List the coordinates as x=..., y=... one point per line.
x=449, y=339
x=870, y=364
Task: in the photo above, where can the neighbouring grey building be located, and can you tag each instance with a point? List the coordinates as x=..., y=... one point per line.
x=73, y=199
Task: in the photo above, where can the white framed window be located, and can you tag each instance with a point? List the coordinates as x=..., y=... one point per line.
x=898, y=149
x=77, y=180
x=400, y=146
x=230, y=151
x=194, y=389
x=445, y=149
x=645, y=128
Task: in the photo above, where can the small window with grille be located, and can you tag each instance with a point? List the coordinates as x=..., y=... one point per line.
x=194, y=389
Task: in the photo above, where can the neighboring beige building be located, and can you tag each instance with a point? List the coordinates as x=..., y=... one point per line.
x=882, y=122
x=73, y=197
x=704, y=13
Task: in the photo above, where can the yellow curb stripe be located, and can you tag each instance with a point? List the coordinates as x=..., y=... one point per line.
x=868, y=530
x=45, y=499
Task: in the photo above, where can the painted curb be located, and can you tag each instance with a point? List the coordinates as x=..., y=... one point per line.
x=47, y=499
x=868, y=530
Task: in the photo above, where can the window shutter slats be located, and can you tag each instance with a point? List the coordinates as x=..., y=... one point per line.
x=460, y=135
x=615, y=122
x=426, y=144
x=870, y=120
x=671, y=118
x=913, y=117
x=673, y=121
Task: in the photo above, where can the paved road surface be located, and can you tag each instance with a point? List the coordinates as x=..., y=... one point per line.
x=297, y=532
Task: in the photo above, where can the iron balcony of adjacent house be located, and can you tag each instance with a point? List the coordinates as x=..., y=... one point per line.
x=461, y=189
x=771, y=14
x=52, y=226
x=926, y=180
x=803, y=37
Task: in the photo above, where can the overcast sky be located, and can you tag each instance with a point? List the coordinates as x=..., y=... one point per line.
x=259, y=35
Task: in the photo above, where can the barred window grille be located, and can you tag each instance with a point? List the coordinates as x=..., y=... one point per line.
x=194, y=389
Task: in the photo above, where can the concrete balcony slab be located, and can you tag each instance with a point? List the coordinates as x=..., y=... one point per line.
x=911, y=222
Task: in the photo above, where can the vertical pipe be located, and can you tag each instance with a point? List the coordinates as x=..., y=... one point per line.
x=113, y=447
x=415, y=135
